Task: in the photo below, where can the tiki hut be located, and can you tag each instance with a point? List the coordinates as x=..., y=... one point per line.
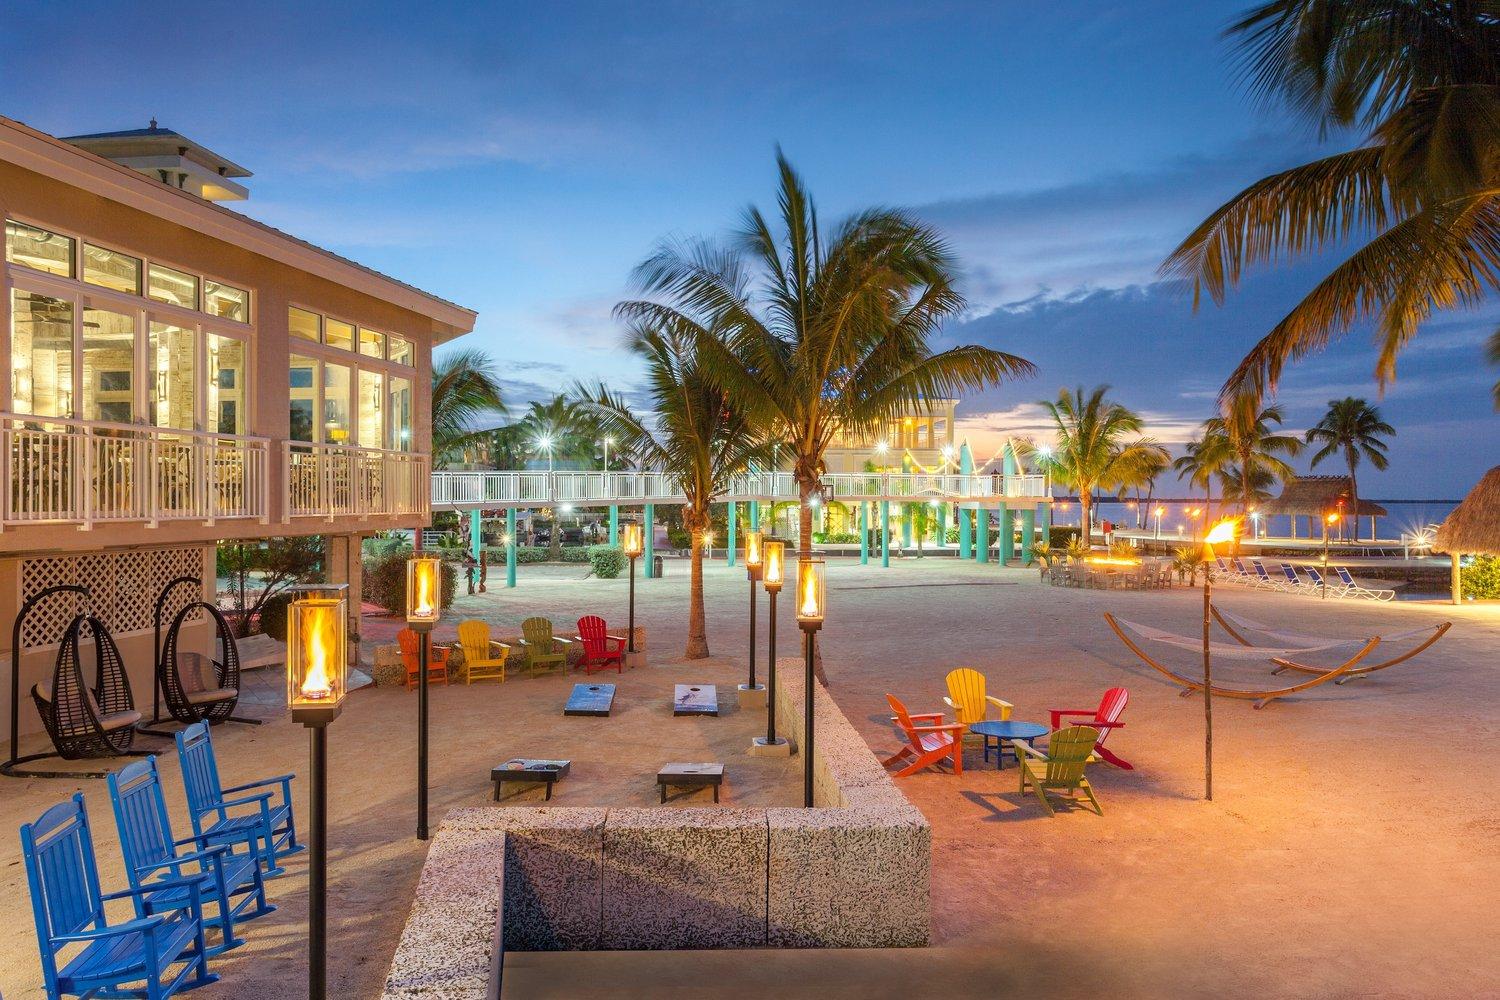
x=1315, y=497
x=1474, y=526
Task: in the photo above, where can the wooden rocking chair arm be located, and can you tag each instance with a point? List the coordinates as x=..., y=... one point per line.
x=495, y=644
x=263, y=800
x=140, y=925
x=192, y=884
x=191, y=857
x=281, y=779
x=914, y=716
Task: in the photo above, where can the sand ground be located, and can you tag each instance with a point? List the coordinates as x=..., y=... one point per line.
x=1351, y=850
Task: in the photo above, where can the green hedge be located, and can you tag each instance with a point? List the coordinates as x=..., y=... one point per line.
x=385, y=582
x=1480, y=580
x=608, y=561
x=537, y=554
x=1058, y=536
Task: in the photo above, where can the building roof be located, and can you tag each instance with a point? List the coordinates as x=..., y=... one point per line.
x=1474, y=526
x=49, y=155
x=94, y=142
x=1319, y=495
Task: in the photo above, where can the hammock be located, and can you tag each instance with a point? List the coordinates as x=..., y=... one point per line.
x=1235, y=624
x=1260, y=697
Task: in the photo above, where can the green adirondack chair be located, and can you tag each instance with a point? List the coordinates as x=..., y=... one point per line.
x=1060, y=767
x=544, y=650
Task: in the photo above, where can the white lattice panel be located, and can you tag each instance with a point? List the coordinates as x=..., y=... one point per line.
x=123, y=587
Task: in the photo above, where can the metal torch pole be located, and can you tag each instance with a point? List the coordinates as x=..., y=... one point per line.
x=751, y=685
x=317, y=902
x=1208, y=690
x=771, y=675
x=630, y=632
x=424, y=636
x=807, y=723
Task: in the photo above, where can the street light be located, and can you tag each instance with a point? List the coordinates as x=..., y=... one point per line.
x=1224, y=531
x=812, y=596
x=1329, y=520
x=753, y=566
x=423, y=609
x=772, y=577
x=607, y=442
x=545, y=443
x=631, y=542
x=1159, y=512
x=317, y=666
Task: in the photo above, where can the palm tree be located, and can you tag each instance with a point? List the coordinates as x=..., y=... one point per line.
x=1145, y=476
x=1351, y=428
x=1091, y=451
x=555, y=429
x=465, y=389
x=696, y=435
x=1205, y=457
x=1257, y=446
x=824, y=332
x=1422, y=79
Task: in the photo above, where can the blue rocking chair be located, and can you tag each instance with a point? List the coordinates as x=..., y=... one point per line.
x=69, y=908
x=268, y=830
x=151, y=856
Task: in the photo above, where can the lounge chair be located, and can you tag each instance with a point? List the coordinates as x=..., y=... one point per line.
x=1321, y=584
x=926, y=745
x=600, y=649
x=483, y=656
x=1263, y=577
x=1354, y=589
x=1060, y=766
x=410, y=642
x=1294, y=582
x=266, y=827
x=967, y=697
x=1243, y=574
x=543, y=649
x=1104, y=718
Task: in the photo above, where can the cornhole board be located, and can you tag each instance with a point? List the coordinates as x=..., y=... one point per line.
x=530, y=770
x=695, y=699
x=690, y=776
x=590, y=699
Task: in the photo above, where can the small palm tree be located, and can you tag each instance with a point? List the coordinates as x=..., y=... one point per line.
x=1351, y=428
x=1205, y=458
x=1091, y=451
x=465, y=390
x=825, y=332
x=695, y=434
x=1251, y=434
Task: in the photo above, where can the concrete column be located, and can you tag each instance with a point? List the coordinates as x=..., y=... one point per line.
x=1007, y=535
x=885, y=532
x=942, y=524
x=754, y=515
x=907, y=516
x=1044, y=521
x=965, y=528
x=1028, y=535
x=864, y=532
x=614, y=524
x=342, y=563
x=731, y=531
x=982, y=535
x=649, y=531
x=510, y=550
x=476, y=544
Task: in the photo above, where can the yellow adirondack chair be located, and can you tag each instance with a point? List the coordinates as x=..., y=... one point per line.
x=1060, y=767
x=483, y=657
x=969, y=702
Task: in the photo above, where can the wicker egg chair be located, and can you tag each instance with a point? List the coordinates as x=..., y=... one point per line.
x=88, y=721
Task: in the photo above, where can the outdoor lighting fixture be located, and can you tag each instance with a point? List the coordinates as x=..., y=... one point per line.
x=1159, y=512
x=754, y=563
x=630, y=541
x=424, y=575
x=772, y=577
x=812, y=598
x=317, y=666
x=1224, y=531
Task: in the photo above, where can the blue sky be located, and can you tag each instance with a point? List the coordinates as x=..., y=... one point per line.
x=521, y=158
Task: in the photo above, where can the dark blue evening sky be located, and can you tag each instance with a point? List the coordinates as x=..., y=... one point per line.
x=521, y=158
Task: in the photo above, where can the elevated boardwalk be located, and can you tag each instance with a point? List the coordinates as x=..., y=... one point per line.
x=478, y=490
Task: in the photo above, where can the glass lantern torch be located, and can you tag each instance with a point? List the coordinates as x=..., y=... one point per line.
x=423, y=591
x=633, y=542
x=754, y=563
x=812, y=593
x=774, y=572
x=317, y=662
x=811, y=597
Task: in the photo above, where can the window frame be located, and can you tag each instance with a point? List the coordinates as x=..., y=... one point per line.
x=357, y=362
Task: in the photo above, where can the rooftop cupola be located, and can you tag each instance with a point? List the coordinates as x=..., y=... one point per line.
x=171, y=158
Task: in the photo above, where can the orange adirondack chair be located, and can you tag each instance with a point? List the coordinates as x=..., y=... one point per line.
x=600, y=650
x=437, y=659
x=1104, y=718
x=926, y=745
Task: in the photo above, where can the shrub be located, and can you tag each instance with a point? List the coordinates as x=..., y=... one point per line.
x=608, y=560
x=837, y=537
x=1058, y=536
x=385, y=582
x=273, y=615
x=1480, y=580
x=678, y=538
x=1122, y=549
x=538, y=554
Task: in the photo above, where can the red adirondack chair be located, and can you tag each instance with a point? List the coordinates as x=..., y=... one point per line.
x=926, y=745
x=437, y=659
x=600, y=650
x=1104, y=718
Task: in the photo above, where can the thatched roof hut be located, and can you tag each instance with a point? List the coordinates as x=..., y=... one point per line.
x=1474, y=526
x=1318, y=495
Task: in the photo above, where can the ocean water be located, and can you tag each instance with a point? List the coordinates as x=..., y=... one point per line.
x=1404, y=516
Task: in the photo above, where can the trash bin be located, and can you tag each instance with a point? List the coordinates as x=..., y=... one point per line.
x=656, y=567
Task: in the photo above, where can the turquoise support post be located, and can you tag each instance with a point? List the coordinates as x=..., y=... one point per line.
x=614, y=524
x=650, y=540
x=510, y=550
x=476, y=543
x=1028, y=535
x=864, y=532
x=942, y=520
x=1007, y=543
x=1044, y=521
x=754, y=515
x=982, y=535
x=965, y=523
x=908, y=515
x=731, y=517
x=885, y=532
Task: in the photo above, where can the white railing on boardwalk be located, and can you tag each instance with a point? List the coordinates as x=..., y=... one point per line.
x=469, y=489
x=85, y=472
x=331, y=480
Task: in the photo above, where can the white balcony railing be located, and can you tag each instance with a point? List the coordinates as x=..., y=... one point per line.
x=330, y=480
x=64, y=471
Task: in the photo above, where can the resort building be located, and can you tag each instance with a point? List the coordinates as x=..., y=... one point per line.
x=182, y=374
x=922, y=437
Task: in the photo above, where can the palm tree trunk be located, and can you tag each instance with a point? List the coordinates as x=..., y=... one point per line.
x=1086, y=504
x=1353, y=498
x=697, y=640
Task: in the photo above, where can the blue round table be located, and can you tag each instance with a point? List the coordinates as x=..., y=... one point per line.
x=1002, y=731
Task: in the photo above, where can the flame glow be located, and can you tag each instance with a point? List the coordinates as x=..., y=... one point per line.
x=319, y=639
x=424, y=584
x=752, y=548
x=1224, y=531
x=774, y=552
x=809, y=606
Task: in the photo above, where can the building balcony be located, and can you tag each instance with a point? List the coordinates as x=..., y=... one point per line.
x=333, y=481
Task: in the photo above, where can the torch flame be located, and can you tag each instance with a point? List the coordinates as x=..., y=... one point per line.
x=317, y=639
x=425, y=601
x=1224, y=531
x=809, y=607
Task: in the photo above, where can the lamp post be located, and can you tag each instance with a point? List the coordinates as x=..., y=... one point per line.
x=1224, y=531
x=1159, y=512
x=753, y=567
x=1329, y=520
x=630, y=541
x=607, y=442
x=812, y=593
x=423, y=608
x=317, y=667
x=772, y=577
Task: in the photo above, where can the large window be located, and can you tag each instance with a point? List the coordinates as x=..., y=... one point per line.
x=303, y=324
x=336, y=429
x=41, y=339
x=352, y=400
x=108, y=366
x=371, y=409
x=400, y=350
x=175, y=287
x=226, y=301
x=371, y=344
x=109, y=269
x=337, y=334
x=39, y=249
x=174, y=387
x=398, y=415
x=303, y=378
x=226, y=384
